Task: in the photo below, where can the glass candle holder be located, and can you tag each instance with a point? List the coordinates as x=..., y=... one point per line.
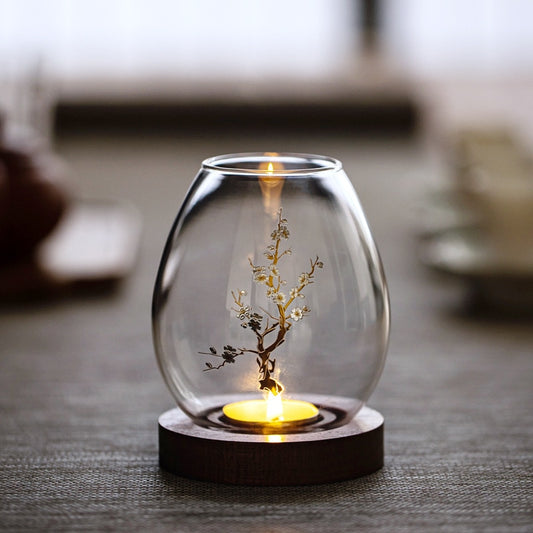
x=270, y=309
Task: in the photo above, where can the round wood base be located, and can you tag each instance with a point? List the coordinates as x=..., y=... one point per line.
x=352, y=450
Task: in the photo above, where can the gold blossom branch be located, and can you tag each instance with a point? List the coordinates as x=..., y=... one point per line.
x=281, y=323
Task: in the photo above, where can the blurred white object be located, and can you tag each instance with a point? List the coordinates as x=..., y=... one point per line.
x=26, y=97
x=490, y=199
x=477, y=38
x=96, y=241
x=106, y=40
x=495, y=178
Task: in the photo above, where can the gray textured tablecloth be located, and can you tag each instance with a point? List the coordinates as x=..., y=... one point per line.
x=80, y=391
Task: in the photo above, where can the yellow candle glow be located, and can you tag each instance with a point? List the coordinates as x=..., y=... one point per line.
x=271, y=185
x=274, y=407
x=274, y=410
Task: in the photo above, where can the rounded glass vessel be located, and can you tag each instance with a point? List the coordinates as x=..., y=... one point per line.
x=270, y=308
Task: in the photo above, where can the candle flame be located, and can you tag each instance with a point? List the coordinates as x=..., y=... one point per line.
x=270, y=184
x=274, y=411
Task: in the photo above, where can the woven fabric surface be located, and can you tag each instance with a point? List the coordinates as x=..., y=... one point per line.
x=80, y=392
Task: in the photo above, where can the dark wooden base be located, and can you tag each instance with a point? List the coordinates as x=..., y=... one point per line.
x=352, y=450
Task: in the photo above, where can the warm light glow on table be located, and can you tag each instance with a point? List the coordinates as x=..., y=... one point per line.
x=265, y=412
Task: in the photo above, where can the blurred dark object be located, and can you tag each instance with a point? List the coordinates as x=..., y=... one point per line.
x=33, y=196
x=381, y=112
x=92, y=250
x=370, y=13
x=50, y=243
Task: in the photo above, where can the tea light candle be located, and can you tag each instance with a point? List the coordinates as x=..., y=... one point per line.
x=273, y=410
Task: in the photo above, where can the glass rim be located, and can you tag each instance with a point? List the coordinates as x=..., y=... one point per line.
x=310, y=163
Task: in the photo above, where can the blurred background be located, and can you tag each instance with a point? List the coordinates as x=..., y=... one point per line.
x=455, y=77
x=108, y=109
x=75, y=53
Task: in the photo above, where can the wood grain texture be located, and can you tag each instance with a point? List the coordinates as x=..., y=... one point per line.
x=352, y=450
